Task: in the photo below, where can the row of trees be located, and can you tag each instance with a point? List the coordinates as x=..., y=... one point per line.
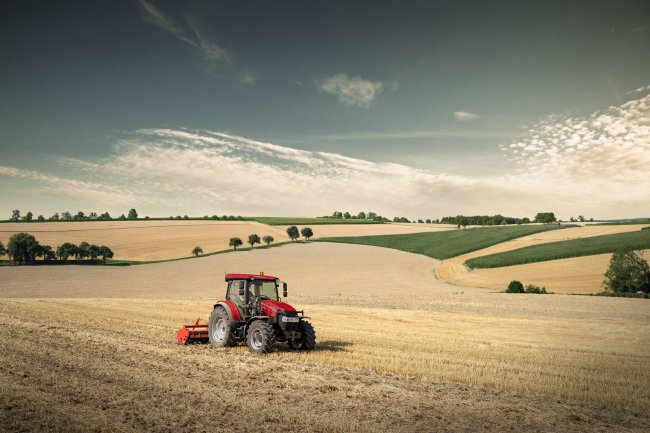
x=370, y=216
x=581, y=219
x=68, y=216
x=254, y=239
x=24, y=249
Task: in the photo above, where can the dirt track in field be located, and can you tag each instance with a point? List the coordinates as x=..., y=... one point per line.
x=145, y=240
x=575, y=275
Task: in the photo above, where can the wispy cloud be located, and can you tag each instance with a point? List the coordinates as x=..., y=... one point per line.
x=215, y=57
x=596, y=165
x=465, y=116
x=351, y=90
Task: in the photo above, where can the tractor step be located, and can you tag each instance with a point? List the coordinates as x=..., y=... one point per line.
x=195, y=333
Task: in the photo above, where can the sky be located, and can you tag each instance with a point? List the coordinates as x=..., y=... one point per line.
x=416, y=109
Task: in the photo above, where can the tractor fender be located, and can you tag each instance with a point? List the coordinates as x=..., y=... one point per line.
x=231, y=309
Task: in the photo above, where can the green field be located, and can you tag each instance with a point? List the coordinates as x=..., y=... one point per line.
x=637, y=240
x=626, y=223
x=298, y=221
x=444, y=245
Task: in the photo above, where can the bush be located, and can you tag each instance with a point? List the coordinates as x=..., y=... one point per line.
x=532, y=288
x=515, y=287
x=307, y=232
x=197, y=250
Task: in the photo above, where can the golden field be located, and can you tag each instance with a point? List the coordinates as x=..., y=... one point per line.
x=93, y=349
x=145, y=240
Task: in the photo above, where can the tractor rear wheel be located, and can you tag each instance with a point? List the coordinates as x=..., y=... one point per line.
x=307, y=339
x=260, y=337
x=220, y=330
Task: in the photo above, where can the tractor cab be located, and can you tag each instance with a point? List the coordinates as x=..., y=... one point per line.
x=247, y=291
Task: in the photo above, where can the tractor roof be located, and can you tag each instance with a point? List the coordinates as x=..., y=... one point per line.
x=248, y=276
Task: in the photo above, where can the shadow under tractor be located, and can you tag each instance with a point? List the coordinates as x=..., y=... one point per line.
x=252, y=311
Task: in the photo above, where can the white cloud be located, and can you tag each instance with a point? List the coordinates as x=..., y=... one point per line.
x=596, y=165
x=351, y=90
x=465, y=116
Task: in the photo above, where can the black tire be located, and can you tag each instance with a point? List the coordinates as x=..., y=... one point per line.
x=307, y=340
x=220, y=329
x=260, y=337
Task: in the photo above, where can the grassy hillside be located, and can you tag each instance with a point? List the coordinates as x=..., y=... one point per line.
x=444, y=245
x=288, y=221
x=636, y=240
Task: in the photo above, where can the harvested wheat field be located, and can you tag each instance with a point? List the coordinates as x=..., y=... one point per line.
x=574, y=275
x=397, y=351
x=145, y=240
x=336, y=230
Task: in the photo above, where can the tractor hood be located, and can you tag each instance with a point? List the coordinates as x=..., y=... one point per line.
x=270, y=308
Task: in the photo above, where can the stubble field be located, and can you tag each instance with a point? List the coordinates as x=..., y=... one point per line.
x=92, y=349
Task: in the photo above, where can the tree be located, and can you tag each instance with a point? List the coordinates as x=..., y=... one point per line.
x=525, y=220
x=15, y=215
x=197, y=250
x=93, y=252
x=122, y=218
x=3, y=250
x=29, y=216
x=185, y=217
x=66, y=216
x=268, y=239
x=628, y=272
x=347, y=215
x=307, y=232
x=133, y=215
x=235, y=242
x=428, y=221
x=361, y=215
x=41, y=218
x=46, y=252
x=54, y=217
x=64, y=251
x=515, y=287
x=545, y=217
x=293, y=233
x=253, y=239
x=105, y=216
x=80, y=216
x=92, y=216
x=106, y=253
x=83, y=251
x=23, y=248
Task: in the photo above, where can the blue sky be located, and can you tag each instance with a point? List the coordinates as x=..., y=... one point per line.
x=421, y=109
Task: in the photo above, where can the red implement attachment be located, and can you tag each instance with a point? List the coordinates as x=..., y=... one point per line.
x=195, y=333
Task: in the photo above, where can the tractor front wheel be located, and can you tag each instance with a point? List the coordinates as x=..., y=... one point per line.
x=260, y=337
x=220, y=332
x=307, y=339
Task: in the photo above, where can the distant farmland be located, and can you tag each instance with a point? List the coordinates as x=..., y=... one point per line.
x=289, y=221
x=636, y=240
x=447, y=244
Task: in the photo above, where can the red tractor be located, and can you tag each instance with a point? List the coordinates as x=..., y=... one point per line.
x=252, y=311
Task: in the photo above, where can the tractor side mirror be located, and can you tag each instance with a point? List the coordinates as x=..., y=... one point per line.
x=284, y=290
x=241, y=288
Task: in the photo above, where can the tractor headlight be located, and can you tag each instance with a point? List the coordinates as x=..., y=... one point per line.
x=286, y=319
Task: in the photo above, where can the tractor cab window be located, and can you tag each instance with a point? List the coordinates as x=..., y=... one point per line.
x=265, y=289
x=233, y=292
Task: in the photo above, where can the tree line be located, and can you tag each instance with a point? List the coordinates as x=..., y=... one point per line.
x=497, y=220
x=254, y=239
x=370, y=216
x=24, y=249
x=132, y=214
